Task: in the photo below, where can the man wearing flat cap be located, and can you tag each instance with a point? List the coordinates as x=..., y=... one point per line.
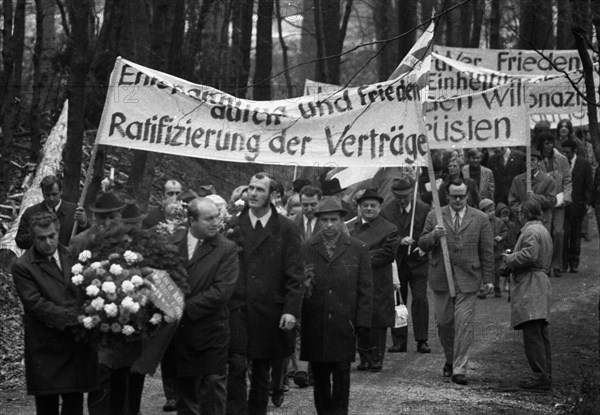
x=337, y=306
x=543, y=189
x=581, y=196
x=382, y=239
x=411, y=261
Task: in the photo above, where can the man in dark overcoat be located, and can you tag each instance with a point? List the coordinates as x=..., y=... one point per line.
x=411, y=262
x=336, y=308
x=202, y=339
x=171, y=191
x=267, y=297
x=581, y=196
x=67, y=213
x=505, y=164
x=56, y=366
x=382, y=239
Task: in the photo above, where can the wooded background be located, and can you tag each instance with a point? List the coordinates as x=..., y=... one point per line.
x=257, y=49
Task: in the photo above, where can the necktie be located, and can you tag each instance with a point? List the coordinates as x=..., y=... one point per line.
x=258, y=226
x=456, y=223
x=55, y=262
x=308, y=229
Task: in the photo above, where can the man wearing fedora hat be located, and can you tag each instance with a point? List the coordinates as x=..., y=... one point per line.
x=543, y=189
x=337, y=306
x=410, y=260
x=383, y=240
x=67, y=213
x=107, y=215
x=333, y=188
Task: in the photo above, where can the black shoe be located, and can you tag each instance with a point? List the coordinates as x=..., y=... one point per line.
x=376, y=367
x=574, y=270
x=447, y=370
x=363, y=366
x=301, y=379
x=170, y=406
x=423, y=347
x=557, y=273
x=536, y=384
x=481, y=295
x=277, y=398
x=459, y=379
x=397, y=349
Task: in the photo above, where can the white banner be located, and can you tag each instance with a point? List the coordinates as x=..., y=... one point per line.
x=493, y=118
x=373, y=125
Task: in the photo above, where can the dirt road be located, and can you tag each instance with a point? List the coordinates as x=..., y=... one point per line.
x=412, y=383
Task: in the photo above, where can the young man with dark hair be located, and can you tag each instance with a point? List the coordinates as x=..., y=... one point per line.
x=67, y=213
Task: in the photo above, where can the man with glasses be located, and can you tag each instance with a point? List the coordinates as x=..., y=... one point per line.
x=172, y=189
x=471, y=248
x=411, y=261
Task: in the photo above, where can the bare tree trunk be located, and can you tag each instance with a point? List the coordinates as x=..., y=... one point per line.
x=284, y=52
x=264, y=51
x=384, y=29
x=536, y=27
x=79, y=13
x=477, y=16
x=495, y=40
x=465, y=29
x=329, y=41
x=241, y=44
x=407, y=20
x=564, y=33
x=308, y=44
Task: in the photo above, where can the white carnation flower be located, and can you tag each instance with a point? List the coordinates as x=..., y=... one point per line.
x=84, y=256
x=96, y=265
x=127, y=286
x=77, y=279
x=88, y=322
x=76, y=269
x=156, y=318
x=137, y=280
x=130, y=305
x=109, y=287
x=92, y=290
x=116, y=269
x=128, y=330
x=131, y=257
x=97, y=303
x=111, y=309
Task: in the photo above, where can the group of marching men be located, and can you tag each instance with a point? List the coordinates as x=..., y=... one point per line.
x=293, y=290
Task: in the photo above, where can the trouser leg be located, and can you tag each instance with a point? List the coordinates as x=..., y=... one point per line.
x=558, y=222
x=136, y=388
x=237, y=397
x=464, y=310
x=258, y=399
x=377, y=339
x=340, y=389
x=537, y=348
x=212, y=394
x=98, y=401
x=322, y=387
x=277, y=373
x=364, y=346
x=444, y=318
x=46, y=404
x=420, y=303
x=72, y=404
x=186, y=395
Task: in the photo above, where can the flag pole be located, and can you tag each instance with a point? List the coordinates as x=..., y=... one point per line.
x=412, y=219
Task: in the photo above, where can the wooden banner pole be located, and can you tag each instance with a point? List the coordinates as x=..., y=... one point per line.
x=414, y=200
x=88, y=180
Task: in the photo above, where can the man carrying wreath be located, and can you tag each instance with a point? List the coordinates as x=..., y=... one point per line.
x=56, y=367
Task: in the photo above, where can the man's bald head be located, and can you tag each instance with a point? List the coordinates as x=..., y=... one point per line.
x=171, y=190
x=204, y=218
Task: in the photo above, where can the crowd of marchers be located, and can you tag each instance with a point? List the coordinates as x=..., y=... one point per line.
x=288, y=282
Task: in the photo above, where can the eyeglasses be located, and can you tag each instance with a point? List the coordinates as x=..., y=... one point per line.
x=457, y=197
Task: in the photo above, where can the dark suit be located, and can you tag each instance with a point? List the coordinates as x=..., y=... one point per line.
x=471, y=252
x=382, y=240
x=270, y=284
x=153, y=218
x=66, y=219
x=341, y=301
x=55, y=364
x=299, y=221
x=505, y=173
x=581, y=196
x=412, y=269
x=202, y=338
